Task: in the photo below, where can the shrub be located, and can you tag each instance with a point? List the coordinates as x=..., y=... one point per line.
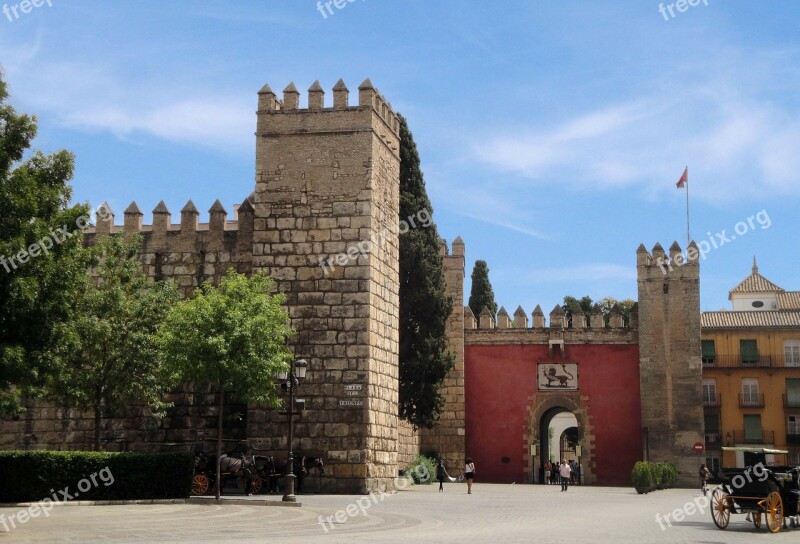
x=422, y=470
x=643, y=475
x=117, y=476
x=646, y=475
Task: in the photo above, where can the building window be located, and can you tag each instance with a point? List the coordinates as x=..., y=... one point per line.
x=758, y=304
x=709, y=352
x=794, y=458
x=793, y=392
x=750, y=392
x=752, y=428
x=748, y=350
x=712, y=461
x=713, y=437
x=791, y=353
x=793, y=430
x=710, y=392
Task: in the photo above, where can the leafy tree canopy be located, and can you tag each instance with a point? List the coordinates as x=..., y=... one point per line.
x=110, y=358
x=232, y=337
x=42, y=263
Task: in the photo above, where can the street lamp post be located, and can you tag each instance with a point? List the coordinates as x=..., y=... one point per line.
x=297, y=372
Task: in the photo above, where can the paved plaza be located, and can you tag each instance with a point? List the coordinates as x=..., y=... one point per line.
x=497, y=514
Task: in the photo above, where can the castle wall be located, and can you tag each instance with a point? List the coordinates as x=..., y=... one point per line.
x=408, y=443
x=447, y=438
x=670, y=366
x=504, y=405
x=327, y=184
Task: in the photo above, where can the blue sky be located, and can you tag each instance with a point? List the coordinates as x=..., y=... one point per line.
x=551, y=133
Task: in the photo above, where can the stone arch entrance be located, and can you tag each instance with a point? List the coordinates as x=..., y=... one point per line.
x=543, y=409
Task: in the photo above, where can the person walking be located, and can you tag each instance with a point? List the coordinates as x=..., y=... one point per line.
x=441, y=474
x=704, y=476
x=565, y=472
x=548, y=469
x=469, y=474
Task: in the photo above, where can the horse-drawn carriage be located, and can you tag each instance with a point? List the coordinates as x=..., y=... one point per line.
x=257, y=473
x=758, y=489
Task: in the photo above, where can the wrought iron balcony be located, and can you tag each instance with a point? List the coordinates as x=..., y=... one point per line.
x=751, y=401
x=747, y=361
x=714, y=401
x=765, y=437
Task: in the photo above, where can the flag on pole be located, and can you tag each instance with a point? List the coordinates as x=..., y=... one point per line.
x=684, y=179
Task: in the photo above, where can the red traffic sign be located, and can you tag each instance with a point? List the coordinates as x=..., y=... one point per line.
x=698, y=447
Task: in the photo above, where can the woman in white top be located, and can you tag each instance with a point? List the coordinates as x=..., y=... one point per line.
x=469, y=473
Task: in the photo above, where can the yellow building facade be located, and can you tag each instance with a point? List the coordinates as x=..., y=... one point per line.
x=751, y=372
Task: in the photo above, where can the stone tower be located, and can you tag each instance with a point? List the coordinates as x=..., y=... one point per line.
x=326, y=229
x=670, y=364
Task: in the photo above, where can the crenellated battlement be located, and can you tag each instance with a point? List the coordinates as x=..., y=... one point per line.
x=161, y=224
x=657, y=263
x=557, y=319
x=190, y=252
x=369, y=99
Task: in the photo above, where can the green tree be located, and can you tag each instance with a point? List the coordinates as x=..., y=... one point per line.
x=110, y=357
x=481, y=295
x=232, y=337
x=572, y=304
x=424, y=304
x=37, y=282
x=625, y=306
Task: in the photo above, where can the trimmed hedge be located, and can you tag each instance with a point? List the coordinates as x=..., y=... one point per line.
x=648, y=476
x=35, y=475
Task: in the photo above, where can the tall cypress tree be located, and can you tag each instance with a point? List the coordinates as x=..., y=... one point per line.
x=481, y=295
x=424, y=304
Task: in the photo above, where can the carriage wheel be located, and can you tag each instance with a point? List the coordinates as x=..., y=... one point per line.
x=774, y=511
x=720, y=508
x=255, y=484
x=199, y=484
x=757, y=519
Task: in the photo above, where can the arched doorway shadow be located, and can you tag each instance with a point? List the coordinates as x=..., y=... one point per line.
x=542, y=413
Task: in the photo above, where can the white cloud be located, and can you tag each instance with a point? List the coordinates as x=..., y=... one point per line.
x=736, y=138
x=98, y=98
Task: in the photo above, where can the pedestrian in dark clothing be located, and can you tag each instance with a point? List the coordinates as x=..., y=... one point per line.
x=441, y=474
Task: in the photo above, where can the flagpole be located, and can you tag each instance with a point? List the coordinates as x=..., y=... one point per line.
x=688, y=231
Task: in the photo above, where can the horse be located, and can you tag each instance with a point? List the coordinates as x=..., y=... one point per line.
x=242, y=467
x=303, y=466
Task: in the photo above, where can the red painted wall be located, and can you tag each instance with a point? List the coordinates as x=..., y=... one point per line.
x=500, y=381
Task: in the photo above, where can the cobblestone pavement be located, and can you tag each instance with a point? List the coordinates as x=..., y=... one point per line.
x=496, y=514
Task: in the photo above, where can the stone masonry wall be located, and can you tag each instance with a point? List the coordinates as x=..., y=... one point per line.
x=327, y=183
x=670, y=365
x=447, y=438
